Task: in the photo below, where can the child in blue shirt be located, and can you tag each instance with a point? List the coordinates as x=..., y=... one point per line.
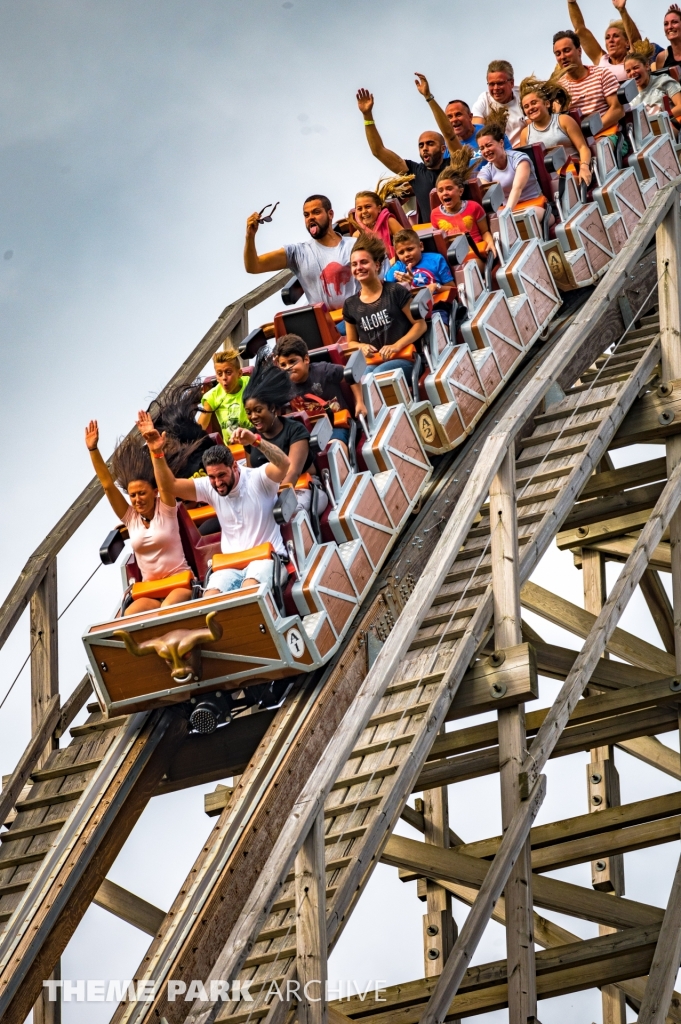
x=415, y=268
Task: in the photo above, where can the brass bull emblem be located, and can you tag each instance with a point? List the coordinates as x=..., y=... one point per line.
x=179, y=648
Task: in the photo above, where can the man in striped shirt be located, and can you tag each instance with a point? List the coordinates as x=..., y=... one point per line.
x=592, y=88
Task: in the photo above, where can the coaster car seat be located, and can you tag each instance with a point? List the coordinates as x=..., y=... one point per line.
x=311, y=323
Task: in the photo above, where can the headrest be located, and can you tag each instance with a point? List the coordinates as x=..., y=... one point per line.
x=556, y=159
x=320, y=435
x=458, y=250
x=493, y=198
x=291, y=292
x=355, y=368
x=593, y=124
x=627, y=91
x=422, y=304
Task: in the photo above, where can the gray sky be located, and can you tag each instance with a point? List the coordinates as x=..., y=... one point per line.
x=135, y=138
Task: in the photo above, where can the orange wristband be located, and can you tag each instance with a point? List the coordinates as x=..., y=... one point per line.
x=158, y=455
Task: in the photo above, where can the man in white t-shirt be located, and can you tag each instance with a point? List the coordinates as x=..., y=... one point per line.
x=243, y=499
x=322, y=265
x=501, y=92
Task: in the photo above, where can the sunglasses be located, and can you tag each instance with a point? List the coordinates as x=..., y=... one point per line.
x=268, y=218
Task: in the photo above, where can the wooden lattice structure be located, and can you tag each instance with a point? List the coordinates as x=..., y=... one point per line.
x=324, y=779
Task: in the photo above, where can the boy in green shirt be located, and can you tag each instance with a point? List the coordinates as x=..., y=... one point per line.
x=226, y=398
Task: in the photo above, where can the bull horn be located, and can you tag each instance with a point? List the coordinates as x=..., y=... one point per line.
x=201, y=636
x=131, y=645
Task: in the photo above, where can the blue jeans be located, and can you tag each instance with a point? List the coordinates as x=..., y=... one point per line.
x=394, y=364
x=228, y=580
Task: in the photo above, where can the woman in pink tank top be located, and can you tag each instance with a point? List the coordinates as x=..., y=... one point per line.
x=619, y=36
x=371, y=214
x=151, y=518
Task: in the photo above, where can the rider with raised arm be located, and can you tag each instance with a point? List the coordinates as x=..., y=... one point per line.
x=150, y=515
x=322, y=264
x=619, y=36
x=431, y=150
x=243, y=499
x=455, y=122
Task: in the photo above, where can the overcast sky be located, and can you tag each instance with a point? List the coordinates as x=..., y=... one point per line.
x=135, y=138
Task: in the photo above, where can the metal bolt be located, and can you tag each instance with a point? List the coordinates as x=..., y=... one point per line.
x=596, y=799
x=104, y=667
x=596, y=778
x=675, y=685
x=433, y=954
x=497, y=690
x=601, y=865
x=262, y=628
x=432, y=929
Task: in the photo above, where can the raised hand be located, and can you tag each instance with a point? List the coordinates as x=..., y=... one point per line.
x=421, y=83
x=619, y=5
x=365, y=101
x=92, y=435
x=243, y=436
x=252, y=224
x=145, y=425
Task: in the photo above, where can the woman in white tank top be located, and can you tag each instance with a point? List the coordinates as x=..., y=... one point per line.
x=552, y=128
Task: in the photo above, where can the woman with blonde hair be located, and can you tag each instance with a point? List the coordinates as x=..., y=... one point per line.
x=619, y=37
x=651, y=89
x=543, y=104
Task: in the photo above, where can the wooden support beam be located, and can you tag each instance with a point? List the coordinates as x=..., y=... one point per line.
x=129, y=907
x=614, y=481
x=311, y=941
x=642, y=424
x=522, y=990
x=602, y=530
x=44, y=653
x=439, y=929
x=652, y=752
x=44, y=689
x=603, y=790
x=618, y=549
x=580, y=622
x=659, y=607
x=604, y=628
x=491, y=888
x=549, y=893
x=556, y=662
x=665, y=965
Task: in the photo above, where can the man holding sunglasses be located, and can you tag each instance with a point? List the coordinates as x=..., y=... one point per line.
x=322, y=265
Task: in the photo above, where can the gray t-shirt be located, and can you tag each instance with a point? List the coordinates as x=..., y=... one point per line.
x=652, y=97
x=323, y=271
x=505, y=177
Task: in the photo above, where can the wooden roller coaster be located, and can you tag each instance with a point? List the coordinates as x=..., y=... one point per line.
x=403, y=614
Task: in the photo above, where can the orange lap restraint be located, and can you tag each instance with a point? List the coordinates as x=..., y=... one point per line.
x=407, y=353
x=240, y=559
x=158, y=589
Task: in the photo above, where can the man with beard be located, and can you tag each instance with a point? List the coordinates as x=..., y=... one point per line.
x=431, y=150
x=243, y=499
x=322, y=265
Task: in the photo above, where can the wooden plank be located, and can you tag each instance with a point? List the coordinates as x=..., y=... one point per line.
x=439, y=930
x=604, y=627
x=87, y=500
x=488, y=686
x=311, y=942
x=625, y=645
x=22, y=773
x=642, y=424
x=73, y=704
x=619, y=548
x=129, y=907
x=556, y=662
x=490, y=891
x=522, y=988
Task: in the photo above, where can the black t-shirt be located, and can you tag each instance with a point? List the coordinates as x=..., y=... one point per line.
x=422, y=184
x=292, y=431
x=382, y=322
x=324, y=381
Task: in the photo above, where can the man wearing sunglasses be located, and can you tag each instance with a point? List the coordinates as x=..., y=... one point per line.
x=322, y=265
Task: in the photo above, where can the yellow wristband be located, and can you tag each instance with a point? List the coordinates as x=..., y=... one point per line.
x=370, y=122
